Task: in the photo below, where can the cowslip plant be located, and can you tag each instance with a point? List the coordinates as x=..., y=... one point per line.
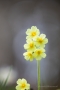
x=35, y=49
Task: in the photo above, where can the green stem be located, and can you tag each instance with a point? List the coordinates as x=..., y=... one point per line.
x=38, y=72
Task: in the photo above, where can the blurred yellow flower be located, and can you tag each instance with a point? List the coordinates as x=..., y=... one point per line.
x=35, y=44
x=22, y=84
x=33, y=32
x=30, y=46
x=39, y=54
x=28, y=56
x=41, y=40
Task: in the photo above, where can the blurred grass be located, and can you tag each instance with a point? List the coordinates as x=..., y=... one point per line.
x=3, y=84
x=7, y=87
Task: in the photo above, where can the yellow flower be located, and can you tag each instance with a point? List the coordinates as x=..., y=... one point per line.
x=28, y=56
x=41, y=40
x=30, y=46
x=39, y=54
x=35, y=43
x=33, y=32
x=22, y=84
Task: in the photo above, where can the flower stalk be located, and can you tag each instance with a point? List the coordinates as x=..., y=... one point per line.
x=38, y=74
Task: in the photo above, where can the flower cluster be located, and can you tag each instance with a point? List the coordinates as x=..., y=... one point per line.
x=22, y=85
x=35, y=44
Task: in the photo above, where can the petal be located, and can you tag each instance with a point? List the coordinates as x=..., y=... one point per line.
x=29, y=40
x=33, y=28
x=28, y=86
x=43, y=36
x=28, y=37
x=42, y=45
x=27, y=58
x=24, y=53
x=31, y=59
x=45, y=41
x=23, y=80
x=42, y=49
x=18, y=87
x=28, y=31
x=25, y=46
x=18, y=81
x=43, y=55
x=22, y=89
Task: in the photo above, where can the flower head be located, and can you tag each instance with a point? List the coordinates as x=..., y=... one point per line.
x=28, y=56
x=22, y=84
x=35, y=44
x=33, y=32
x=41, y=40
x=30, y=46
x=39, y=54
